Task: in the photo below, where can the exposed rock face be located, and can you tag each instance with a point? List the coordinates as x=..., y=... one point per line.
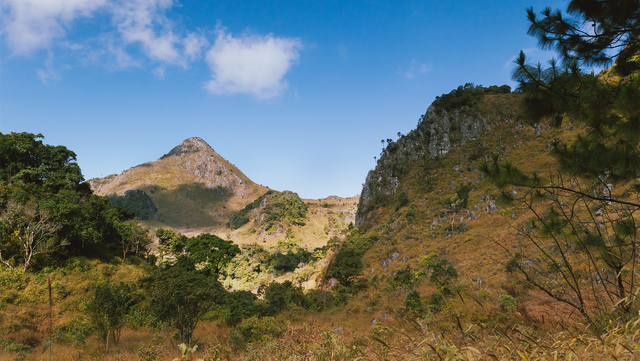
x=432, y=138
x=191, y=186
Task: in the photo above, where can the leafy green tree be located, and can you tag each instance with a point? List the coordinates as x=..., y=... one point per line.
x=26, y=161
x=171, y=242
x=413, y=304
x=27, y=232
x=211, y=252
x=583, y=236
x=180, y=295
x=110, y=304
x=346, y=266
x=133, y=238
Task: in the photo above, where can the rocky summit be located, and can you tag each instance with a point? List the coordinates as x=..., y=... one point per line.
x=188, y=188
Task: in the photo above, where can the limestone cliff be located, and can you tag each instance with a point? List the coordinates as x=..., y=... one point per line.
x=438, y=132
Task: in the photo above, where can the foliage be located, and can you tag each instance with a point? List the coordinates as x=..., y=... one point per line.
x=110, y=305
x=346, y=266
x=47, y=177
x=291, y=260
x=282, y=208
x=171, y=241
x=257, y=329
x=413, y=305
x=133, y=238
x=508, y=303
x=466, y=95
x=137, y=201
x=241, y=305
x=442, y=272
x=180, y=296
x=279, y=296
x=29, y=232
x=583, y=255
x=458, y=201
x=210, y=252
x=405, y=278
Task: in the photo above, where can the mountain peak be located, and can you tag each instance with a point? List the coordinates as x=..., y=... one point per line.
x=191, y=145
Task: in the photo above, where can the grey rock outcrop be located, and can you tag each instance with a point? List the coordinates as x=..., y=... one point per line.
x=433, y=137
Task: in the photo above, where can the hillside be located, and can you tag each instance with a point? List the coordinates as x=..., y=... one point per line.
x=189, y=187
x=426, y=195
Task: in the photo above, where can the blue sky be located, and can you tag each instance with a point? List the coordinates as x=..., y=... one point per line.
x=297, y=94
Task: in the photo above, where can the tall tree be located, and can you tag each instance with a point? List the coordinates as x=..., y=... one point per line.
x=180, y=295
x=29, y=232
x=582, y=239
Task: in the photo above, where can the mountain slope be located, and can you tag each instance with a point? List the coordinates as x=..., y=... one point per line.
x=192, y=186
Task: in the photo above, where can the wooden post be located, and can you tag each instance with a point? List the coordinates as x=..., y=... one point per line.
x=50, y=315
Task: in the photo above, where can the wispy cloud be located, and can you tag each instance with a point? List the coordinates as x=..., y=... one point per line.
x=48, y=73
x=417, y=68
x=251, y=64
x=342, y=51
x=31, y=25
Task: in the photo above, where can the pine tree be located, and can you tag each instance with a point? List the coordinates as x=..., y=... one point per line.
x=581, y=242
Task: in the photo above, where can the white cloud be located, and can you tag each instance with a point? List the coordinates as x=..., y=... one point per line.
x=31, y=25
x=251, y=64
x=417, y=68
x=34, y=24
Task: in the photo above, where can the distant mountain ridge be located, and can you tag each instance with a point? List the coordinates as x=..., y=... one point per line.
x=191, y=186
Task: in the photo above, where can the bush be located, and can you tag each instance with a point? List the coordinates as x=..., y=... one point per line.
x=402, y=199
x=442, y=272
x=404, y=278
x=321, y=299
x=256, y=329
x=241, y=305
x=279, y=296
x=508, y=303
x=110, y=305
x=413, y=306
x=346, y=266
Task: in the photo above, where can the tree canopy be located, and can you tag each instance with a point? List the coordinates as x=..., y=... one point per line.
x=42, y=186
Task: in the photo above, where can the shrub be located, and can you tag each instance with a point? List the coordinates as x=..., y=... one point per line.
x=257, y=329
x=508, y=303
x=413, y=304
x=402, y=199
x=110, y=305
x=346, y=266
x=404, y=278
x=442, y=272
x=241, y=305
